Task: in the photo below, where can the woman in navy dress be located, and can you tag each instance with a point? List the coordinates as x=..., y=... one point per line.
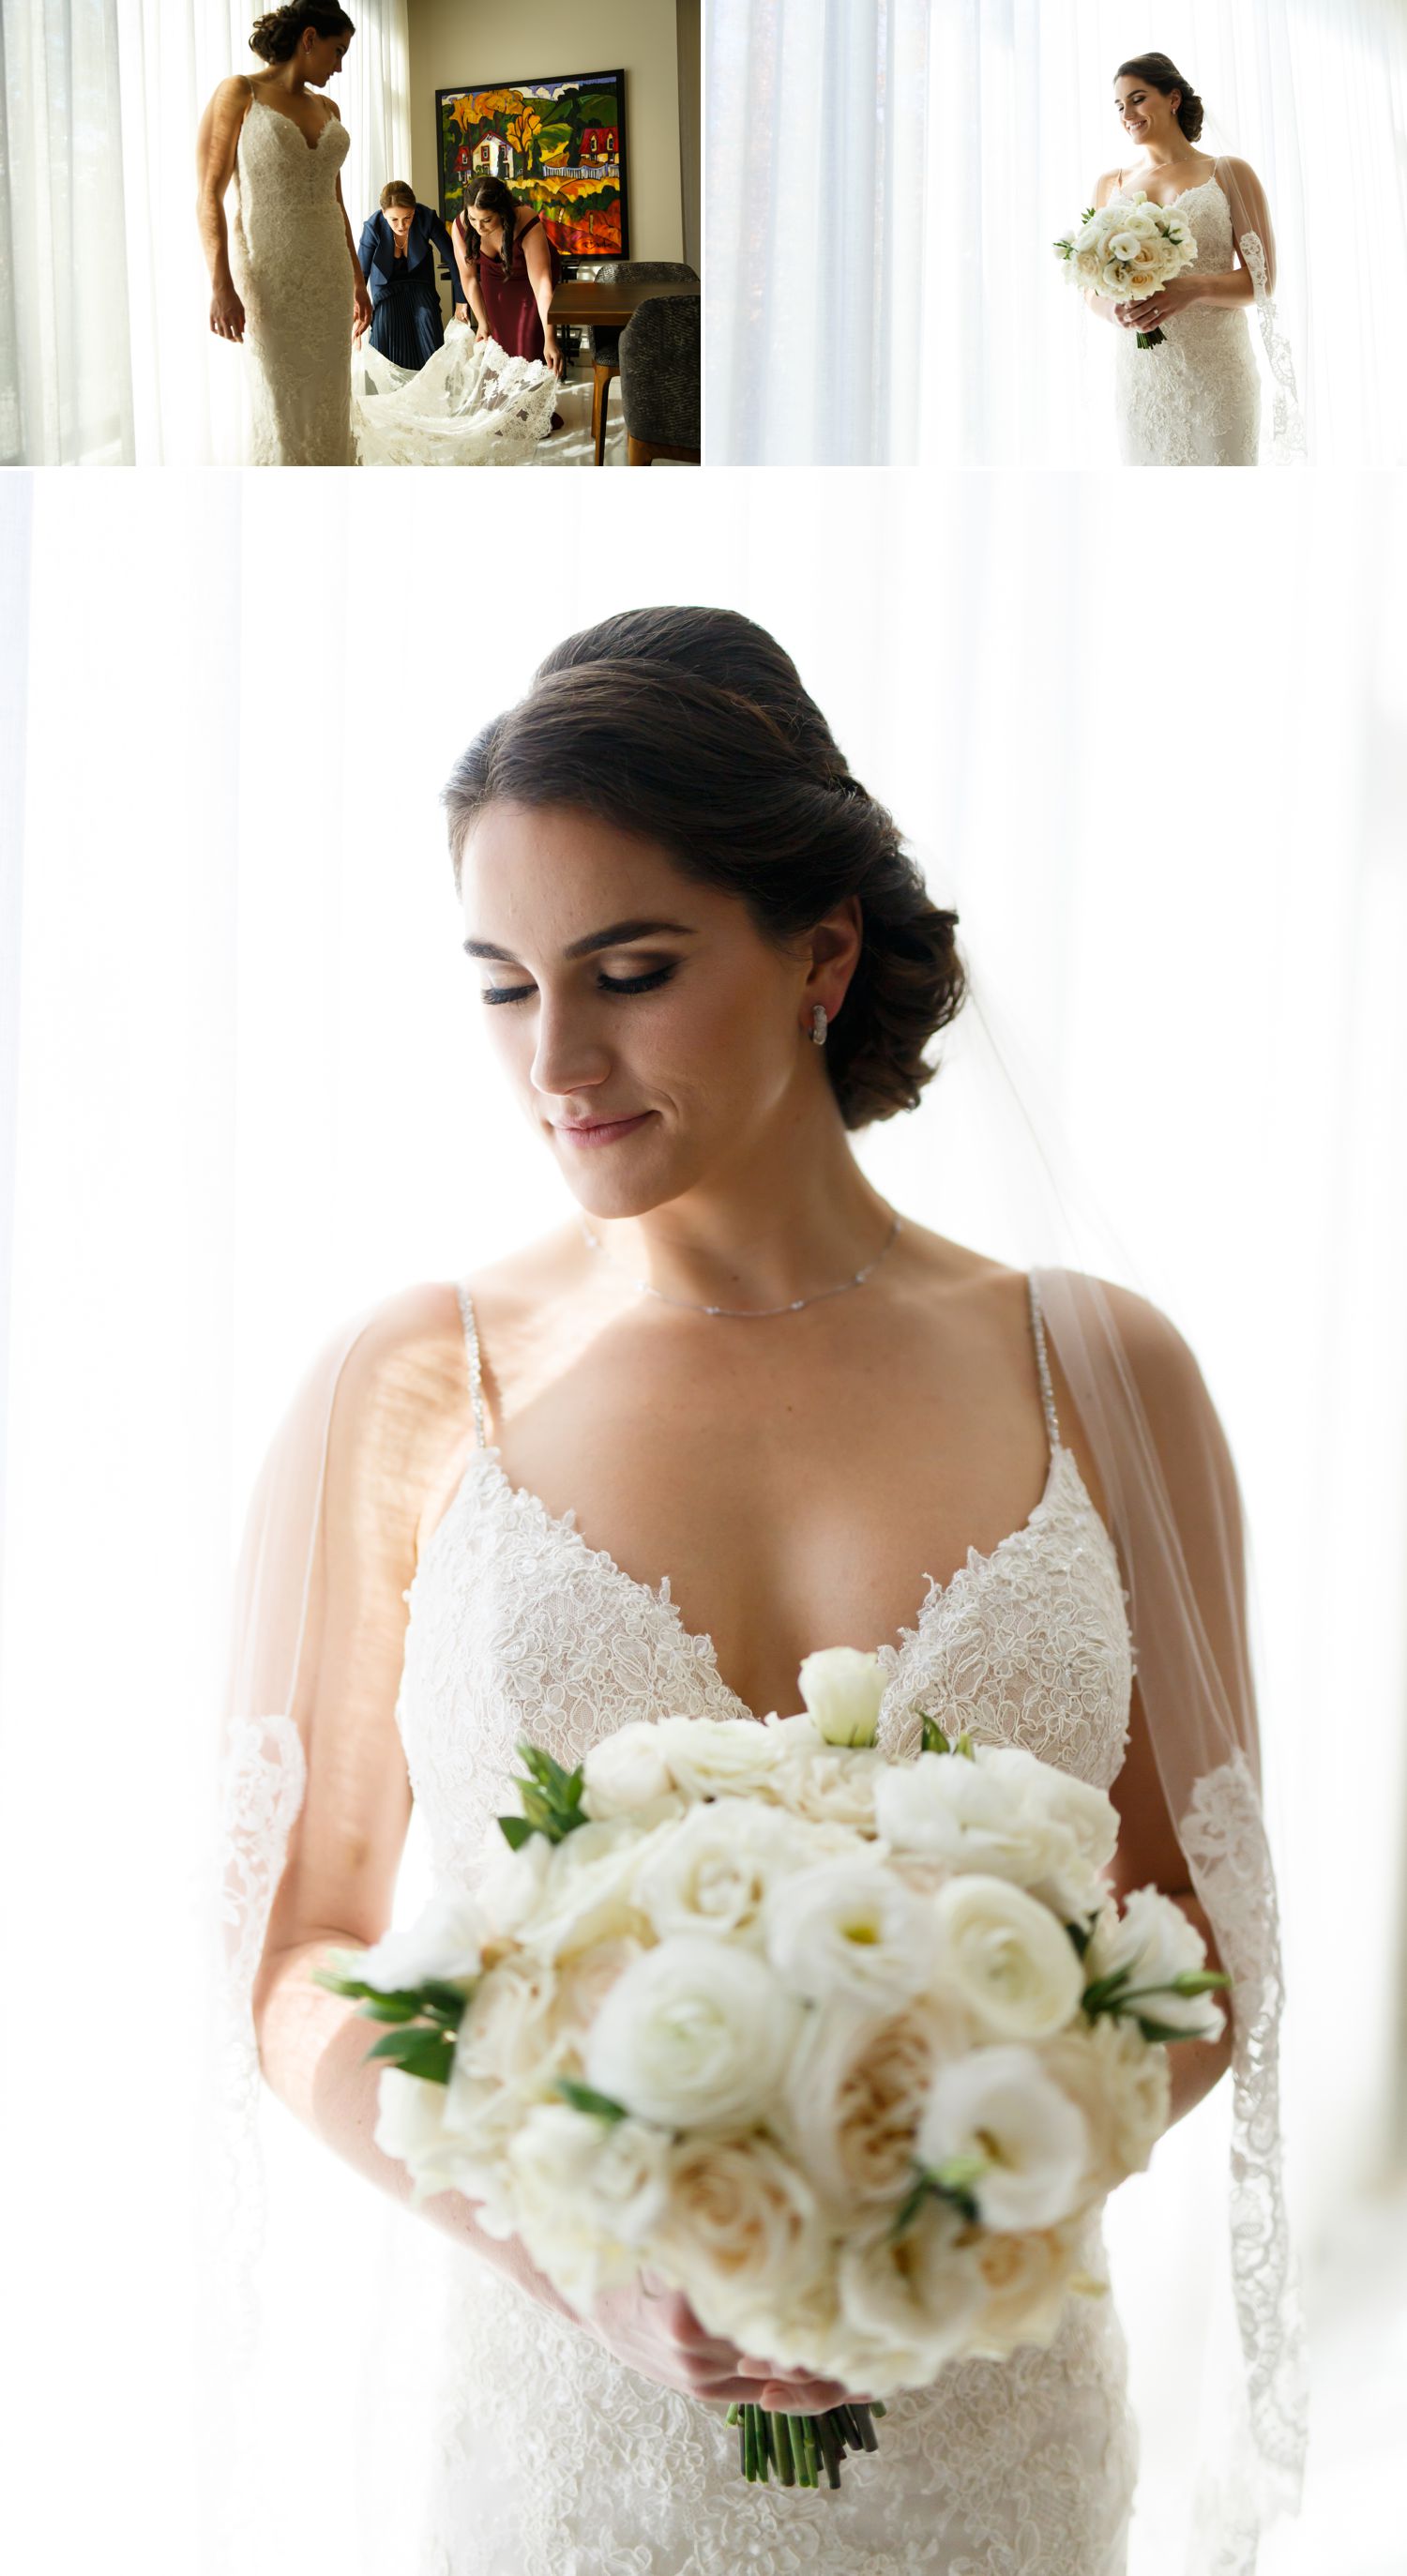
x=395, y=254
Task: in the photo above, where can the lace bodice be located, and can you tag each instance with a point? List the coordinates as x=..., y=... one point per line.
x=292, y=269
x=554, y=2456
x=1194, y=400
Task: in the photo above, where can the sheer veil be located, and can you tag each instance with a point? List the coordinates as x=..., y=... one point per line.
x=379, y=1421
x=1254, y=235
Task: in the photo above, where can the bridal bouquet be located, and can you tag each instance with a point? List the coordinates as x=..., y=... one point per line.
x=844, y=2049
x=1128, y=250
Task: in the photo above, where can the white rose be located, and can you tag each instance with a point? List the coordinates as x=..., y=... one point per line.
x=1122, y=2086
x=911, y=2298
x=626, y=1771
x=856, y=2091
x=1111, y=278
x=848, y=1927
x=1155, y=1942
x=586, y=2192
x=842, y=1689
x=583, y=1983
x=695, y=2035
x=1027, y=2280
x=1006, y=1955
x=506, y=2029
x=1084, y=1822
x=444, y=1945
x=999, y=2108
x=410, y=2125
x=713, y=1871
x=740, y=2234
x=708, y=1756
x=966, y=1815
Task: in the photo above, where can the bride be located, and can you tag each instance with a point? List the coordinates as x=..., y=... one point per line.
x=576, y=1492
x=287, y=281
x=1195, y=399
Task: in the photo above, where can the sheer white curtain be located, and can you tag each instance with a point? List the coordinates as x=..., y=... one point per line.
x=106, y=356
x=886, y=178
x=246, y=1091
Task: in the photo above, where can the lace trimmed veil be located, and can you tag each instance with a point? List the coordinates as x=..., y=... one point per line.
x=310, y=1746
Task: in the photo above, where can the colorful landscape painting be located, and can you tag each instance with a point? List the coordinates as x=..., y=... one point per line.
x=560, y=146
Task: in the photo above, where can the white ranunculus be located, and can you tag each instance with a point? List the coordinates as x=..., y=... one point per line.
x=1000, y=2107
x=583, y=1982
x=1155, y=1941
x=851, y=1927
x=713, y=1873
x=444, y=1945
x=842, y=1689
x=1125, y=244
x=1012, y=1963
x=1111, y=278
x=708, y=1756
x=856, y=2091
x=586, y=2192
x=965, y=1815
x=695, y=2035
x=911, y=2298
x=1084, y=1821
x=508, y=1883
x=626, y=1771
x=741, y=2235
x=1122, y=2086
x=588, y=1893
x=410, y=2125
x=505, y=2032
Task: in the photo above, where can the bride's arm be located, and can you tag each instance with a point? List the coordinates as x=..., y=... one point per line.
x=1102, y=305
x=361, y=1483
x=361, y=301
x=216, y=146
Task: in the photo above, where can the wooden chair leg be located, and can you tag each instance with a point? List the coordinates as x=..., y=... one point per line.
x=638, y=451
x=600, y=399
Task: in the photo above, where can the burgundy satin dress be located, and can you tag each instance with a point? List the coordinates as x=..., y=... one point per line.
x=509, y=302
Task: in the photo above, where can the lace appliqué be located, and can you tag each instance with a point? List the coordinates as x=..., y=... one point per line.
x=554, y=2458
x=1223, y=1836
x=1195, y=399
x=1288, y=444
x=470, y=404
x=293, y=275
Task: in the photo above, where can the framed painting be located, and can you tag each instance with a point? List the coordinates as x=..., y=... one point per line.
x=559, y=145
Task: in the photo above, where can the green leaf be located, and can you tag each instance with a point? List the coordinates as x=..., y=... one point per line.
x=964, y=1747
x=582, y=2098
x=515, y=1831
x=426, y=2053
x=934, y=1740
x=1081, y=1934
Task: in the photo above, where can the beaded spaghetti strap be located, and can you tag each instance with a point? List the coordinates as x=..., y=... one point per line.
x=471, y=1346
x=1043, y=1364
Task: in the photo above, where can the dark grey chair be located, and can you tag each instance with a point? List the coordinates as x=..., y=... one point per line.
x=606, y=341
x=659, y=380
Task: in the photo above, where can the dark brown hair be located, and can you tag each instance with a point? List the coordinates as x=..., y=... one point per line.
x=397, y=192
x=276, y=36
x=690, y=726
x=1162, y=74
x=500, y=200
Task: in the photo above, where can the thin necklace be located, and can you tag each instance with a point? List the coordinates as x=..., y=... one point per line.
x=791, y=1307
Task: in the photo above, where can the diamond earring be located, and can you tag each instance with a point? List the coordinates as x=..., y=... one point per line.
x=819, y=1025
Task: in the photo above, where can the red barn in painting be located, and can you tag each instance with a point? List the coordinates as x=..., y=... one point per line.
x=600, y=143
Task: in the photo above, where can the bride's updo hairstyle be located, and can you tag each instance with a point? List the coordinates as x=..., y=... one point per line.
x=690, y=727
x=1161, y=74
x=277, y=35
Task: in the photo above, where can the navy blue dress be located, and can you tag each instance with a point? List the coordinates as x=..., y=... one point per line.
x=406, y=324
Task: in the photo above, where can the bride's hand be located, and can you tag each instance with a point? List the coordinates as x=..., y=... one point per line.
x=1170, y=299
x=361, y=312
x=657, y=2332
x=226, y=314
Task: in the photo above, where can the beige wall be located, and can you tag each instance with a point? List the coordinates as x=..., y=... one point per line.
x=688, y=16
x=453, y=42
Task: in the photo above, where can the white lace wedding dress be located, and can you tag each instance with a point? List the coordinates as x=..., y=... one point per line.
x=293, y=275
x=552, y=2457
x=1194, y=400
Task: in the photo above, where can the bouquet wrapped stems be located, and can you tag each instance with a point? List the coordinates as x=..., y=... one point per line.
x=798, y=2447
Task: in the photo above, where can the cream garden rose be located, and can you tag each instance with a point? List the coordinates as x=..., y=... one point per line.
x=1009, y=1959
x=695, y=2035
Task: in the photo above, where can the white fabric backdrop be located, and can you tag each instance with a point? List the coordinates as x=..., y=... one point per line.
x=251, y=1093
x=106, y=356
x=885, y=179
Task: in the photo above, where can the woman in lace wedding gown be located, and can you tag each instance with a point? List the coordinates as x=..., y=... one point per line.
x=288, y=283
x=1193, y=399
x=791, y=1481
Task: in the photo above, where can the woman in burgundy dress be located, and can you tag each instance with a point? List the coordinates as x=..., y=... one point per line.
x=508, y=268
